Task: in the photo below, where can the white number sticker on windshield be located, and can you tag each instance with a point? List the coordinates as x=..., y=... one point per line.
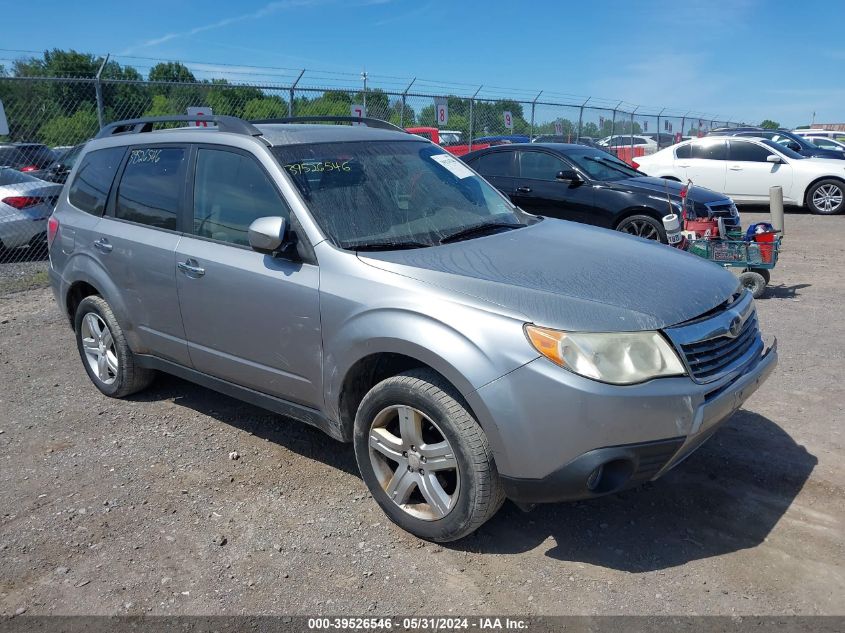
x=451, y=163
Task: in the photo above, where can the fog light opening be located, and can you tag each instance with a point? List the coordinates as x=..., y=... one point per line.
x=595, y=477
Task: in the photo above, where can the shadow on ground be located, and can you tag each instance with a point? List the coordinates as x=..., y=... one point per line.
x=725, y=497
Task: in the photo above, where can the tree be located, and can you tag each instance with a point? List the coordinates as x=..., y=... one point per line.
x=265, y=108
x=70, y=130
x=768, y=124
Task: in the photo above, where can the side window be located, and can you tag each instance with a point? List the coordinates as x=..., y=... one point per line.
x=230, y=191
x=683, y=152
x=710, y=150
x=150, y=190
x=748, y=152
x=90, y=187
x=494, y=164
x=539, y=165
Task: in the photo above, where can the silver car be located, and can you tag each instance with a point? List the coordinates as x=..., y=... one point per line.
x=362, y=280
x=25, y=204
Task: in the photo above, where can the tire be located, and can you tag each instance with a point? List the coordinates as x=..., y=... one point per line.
x=442, y=503
x=764, y=273
x=826, y=197
x=754, y=282
x=643, y=226
x=118, y=375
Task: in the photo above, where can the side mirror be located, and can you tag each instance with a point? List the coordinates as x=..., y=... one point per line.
x=268, y=235
x=569, y=175
x=772, y=158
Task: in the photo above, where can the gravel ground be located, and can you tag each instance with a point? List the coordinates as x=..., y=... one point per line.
x=134, y=506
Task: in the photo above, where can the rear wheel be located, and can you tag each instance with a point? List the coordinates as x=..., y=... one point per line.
x=424, y=458
x=106, y=356
x=826, y=197
x=643, y=226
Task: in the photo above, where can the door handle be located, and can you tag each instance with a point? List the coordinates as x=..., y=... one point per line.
x=684, y=165
x=736, y=167
x=191, y=268
x=523, y=189
x=103, y=245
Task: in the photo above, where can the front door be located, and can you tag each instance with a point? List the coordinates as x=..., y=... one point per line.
x=538, y=191
x=251, y=319
x=750, y=175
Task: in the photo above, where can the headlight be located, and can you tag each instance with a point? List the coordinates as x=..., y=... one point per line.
x=619, y=358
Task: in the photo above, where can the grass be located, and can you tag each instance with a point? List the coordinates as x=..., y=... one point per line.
x=29, y=281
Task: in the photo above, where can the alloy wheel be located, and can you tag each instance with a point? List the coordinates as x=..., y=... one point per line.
x=98, y=344
x=827, y=198
x=640, y=228
x=414, y=462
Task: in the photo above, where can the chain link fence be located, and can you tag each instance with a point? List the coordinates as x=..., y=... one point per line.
x=49, y=118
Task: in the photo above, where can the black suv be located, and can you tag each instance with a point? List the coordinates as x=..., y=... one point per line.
x=781, y=137
x=583, y=184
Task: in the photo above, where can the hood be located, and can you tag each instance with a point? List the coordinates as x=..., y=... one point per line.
x=660, y=186
x=571, y=276
x=823, y=153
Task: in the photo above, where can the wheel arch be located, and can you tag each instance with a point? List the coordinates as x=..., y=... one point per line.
x=816, y=181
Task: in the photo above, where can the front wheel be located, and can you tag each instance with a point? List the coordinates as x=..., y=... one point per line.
x=826, y=197
x=424, y=458
x=643, y=226
x=754, y=282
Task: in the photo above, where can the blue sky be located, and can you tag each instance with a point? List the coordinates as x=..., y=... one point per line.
x=752, y=59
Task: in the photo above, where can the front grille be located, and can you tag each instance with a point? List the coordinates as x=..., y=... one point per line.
x=708, y=346
x=707, y=359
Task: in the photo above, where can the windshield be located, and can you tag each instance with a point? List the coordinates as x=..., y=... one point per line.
x=402, y=193
x=600, y=165
x=783, y=149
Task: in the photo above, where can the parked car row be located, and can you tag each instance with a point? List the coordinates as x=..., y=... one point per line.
x=468, y=350
x=744, y=167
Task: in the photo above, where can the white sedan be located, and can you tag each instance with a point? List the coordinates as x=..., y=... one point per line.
x=744, y=168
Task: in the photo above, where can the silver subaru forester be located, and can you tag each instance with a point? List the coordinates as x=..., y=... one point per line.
x=362, y=280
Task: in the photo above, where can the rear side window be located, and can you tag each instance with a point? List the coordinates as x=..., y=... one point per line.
x=494, y=164
x=150, y=190
x=90, y=187
x=230, y=191
x=710, y=150
x=683, y=152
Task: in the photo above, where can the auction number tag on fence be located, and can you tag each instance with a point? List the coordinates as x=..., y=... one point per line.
x=441, y=108
x=4, y=124
x=358, y=112
x=200, y=111
x=508, y=120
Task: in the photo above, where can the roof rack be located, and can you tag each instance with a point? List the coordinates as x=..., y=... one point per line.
x=368, y=121
x=145, y=124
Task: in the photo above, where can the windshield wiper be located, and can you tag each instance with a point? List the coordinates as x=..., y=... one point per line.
x=396, y=245
x=478, y=229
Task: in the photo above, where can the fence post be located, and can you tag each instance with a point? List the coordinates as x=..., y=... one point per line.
x=292, y=88
x=581, y=119
x=533, y=103
x=471, y=102
x=404, y=95
x=683, y=123
x=364, y=77
x=99, y=90
x=613, y=122
x=658, y=127
x=632, y=130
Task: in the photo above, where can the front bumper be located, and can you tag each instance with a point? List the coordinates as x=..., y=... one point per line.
x=551, y=429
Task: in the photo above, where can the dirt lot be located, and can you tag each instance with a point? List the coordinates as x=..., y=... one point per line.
x=114, y=507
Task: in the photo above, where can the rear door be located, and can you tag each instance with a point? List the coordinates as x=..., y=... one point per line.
x=749, y=174
x=136, y=243
x=499, y=169
x=250, y=318
x=706, y=165
x=538, y=191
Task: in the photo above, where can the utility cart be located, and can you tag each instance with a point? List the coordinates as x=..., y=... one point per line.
x=755, y=258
